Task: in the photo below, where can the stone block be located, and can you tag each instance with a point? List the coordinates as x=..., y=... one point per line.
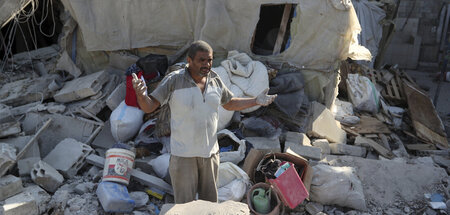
x=68, y=156
x=27, y=90
x=265, y=144
x=309, y=152
x=5, y=114
x=9, y=186
x=297, y=137
x=344, y=149
x=81, y=88
x=60, y=128
x=9, y=128
x=22, y=204
x=65, y=63
x=7, y=157
x=95, y=103
x=20, y=142
x=46, y=176
x=321, y=124
x=104, y=139
x=323, y=144
x=41, y=197
x=26, y=165
x=117, y=96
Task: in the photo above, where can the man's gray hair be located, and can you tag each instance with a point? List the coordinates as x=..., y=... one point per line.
x=197, y=46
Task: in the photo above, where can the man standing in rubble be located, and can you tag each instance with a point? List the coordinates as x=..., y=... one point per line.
x=194, y=95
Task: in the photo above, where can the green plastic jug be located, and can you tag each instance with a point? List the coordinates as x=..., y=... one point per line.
x=261, y=200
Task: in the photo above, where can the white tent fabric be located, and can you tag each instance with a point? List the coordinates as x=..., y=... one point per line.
x=370, y=16
x=322, y=33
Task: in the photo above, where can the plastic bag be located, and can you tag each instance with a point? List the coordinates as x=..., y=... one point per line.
x=343, y=112
x=232, y=156
x=233, y=182
x=161, y=165
x=125, y=122
x=363, y=93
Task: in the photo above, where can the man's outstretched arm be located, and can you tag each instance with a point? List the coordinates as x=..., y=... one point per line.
x=146, y=103
x=237, y=104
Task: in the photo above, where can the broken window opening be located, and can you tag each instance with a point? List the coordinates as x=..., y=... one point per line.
x=38, y=25
x=272, y=33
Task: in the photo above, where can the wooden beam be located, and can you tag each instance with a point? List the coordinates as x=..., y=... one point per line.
x=282, y=30
x=380, y=149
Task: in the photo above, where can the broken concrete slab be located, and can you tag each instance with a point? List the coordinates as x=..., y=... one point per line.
x=37, y=54
x=309, y=152
x=23, y=109
x=61, y=128
x=81, y=88
x=46, y=176
x=68, y=156
x=314, y=207
x=344, y=149
x=65, y=63
x=95, y=103
x=9, y=128
x=5, y=114
x=380, y=149
x=20, y=142
x=7, y=157
x=321, y=124
x=41, y=197
x=50, y=107
x=265, y=144
x=386, y=181
x=27, y=90
x=206, y=207
x=297, y=137
x=10, y=185
x=116, y=97
x=323, y=144
x=104, y=139
x=26, y=165
x=22, y=204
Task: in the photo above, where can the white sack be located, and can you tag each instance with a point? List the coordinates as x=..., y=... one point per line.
x=125, y=122
x=232, y=156
x=363, y=93
x=233, y=182
x=337, y=186
x=161, y=165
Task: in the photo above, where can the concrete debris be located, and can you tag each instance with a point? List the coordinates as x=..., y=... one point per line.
x=117, y=96
x=65, y=63
x=205, y=207
x=313, y=208
x=27, y=90
x=23, y=204
x=7, y=157
x=68, y=156
x=37, y=54
x=9, y=186
x=122, y=60
x=299, y=138
x=265, y=144
x=49, y=107
x=9, y=128
x=321, y=124
x=46, y=176
x=26, y=165
x=5, y=114
x=344, y=149
x=41, y=197
x=309, y=152
x=84, y=188
x=81, y=88
x=323, y=144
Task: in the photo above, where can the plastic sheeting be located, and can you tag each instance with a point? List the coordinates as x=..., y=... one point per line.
x=322, y=33
x=370, y=16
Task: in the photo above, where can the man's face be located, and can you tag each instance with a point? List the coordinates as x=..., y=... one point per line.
x=201, y=64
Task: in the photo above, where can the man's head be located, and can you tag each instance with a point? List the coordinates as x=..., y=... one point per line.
x=200, y=56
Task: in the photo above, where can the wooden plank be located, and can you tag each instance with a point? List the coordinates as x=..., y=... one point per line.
x=282, y=31
x=137, y=175
x=418, y=147
x=380, y=149
x=423, y=114
x=396, y=93
x=370, y=125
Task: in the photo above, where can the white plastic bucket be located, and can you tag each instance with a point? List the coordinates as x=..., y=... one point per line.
x=118, y=165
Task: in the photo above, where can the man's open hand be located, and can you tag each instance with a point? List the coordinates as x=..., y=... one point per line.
x=139, y=86
x=264, y=99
